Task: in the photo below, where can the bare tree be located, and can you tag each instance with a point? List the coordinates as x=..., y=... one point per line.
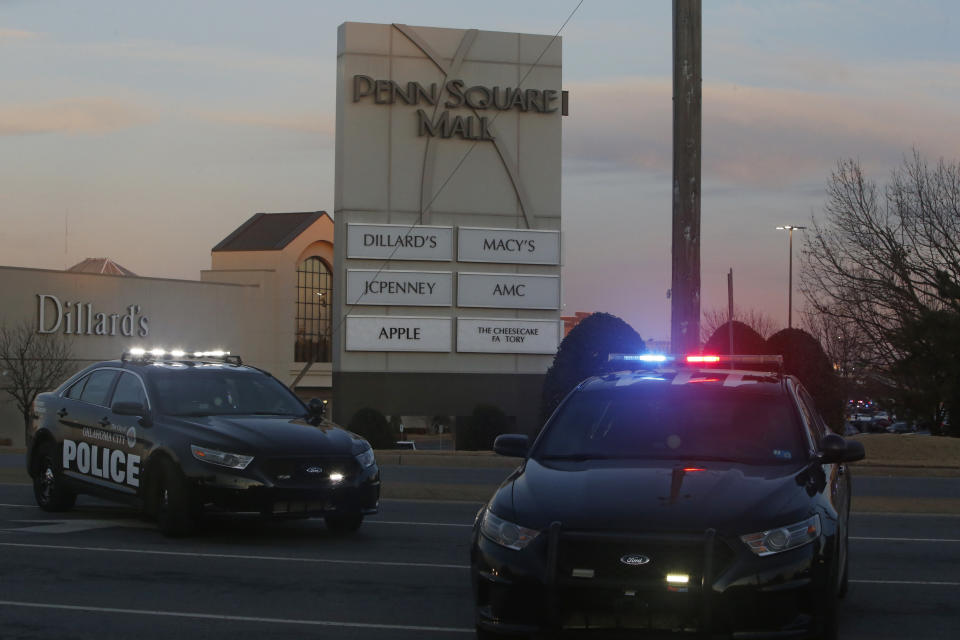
x=882, y=259
x=841, y=341
x=31, y=363
x=757, y=320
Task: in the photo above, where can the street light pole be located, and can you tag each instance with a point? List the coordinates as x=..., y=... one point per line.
x=790, y=228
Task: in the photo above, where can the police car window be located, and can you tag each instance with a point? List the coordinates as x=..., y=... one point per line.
x=97, y=387
x=673, y=422
x=817, y=424
x=76, y=388
x=129, y=389
x=206, y=392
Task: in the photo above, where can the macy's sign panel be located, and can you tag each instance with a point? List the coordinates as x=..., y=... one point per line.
x=80, y=318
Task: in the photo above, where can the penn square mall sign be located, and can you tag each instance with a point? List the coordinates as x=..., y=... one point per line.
x=447, y=209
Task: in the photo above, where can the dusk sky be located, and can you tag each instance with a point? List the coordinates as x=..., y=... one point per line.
x=151, y=130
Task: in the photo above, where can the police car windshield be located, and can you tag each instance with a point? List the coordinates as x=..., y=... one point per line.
x=196, y=391
x=669, y=422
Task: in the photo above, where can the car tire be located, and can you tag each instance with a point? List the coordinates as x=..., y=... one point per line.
x=342, y=524
x=173, y=500
x=49, y=488
x=845, y=580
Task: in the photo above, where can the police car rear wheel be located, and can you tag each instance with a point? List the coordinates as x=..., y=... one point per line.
x=48, y=486
x=176, y=515
x=342, y=524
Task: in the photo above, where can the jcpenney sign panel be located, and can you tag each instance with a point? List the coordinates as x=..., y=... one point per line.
x=82, y=318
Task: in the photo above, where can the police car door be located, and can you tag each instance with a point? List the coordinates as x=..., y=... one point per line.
x=86, y=432
x=131, y=435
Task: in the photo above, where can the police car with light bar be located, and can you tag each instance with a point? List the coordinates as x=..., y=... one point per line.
x=687, y=496
x=182, y=433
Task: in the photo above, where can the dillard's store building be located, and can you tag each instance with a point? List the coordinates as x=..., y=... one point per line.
x=266, y=298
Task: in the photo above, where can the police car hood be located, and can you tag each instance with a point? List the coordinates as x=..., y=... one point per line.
x=619, y=495
x=267, y=435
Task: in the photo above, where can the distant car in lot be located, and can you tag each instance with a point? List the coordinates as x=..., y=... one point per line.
x=675, y=497
x=901, y=427
x=179, y=434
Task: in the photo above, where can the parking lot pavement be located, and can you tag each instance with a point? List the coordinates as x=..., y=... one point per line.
x=101, y=571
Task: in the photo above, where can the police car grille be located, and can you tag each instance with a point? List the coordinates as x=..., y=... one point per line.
x=308, y=468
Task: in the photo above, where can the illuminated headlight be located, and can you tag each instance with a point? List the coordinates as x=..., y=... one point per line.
x=222, y=458
x=765, y=543
x=506, y=534
x=366, y=459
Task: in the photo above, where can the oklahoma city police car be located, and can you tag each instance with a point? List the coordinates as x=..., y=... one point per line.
x=178, y=434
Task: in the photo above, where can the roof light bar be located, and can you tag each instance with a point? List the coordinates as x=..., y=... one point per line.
x=638, y=357
x=158, y=355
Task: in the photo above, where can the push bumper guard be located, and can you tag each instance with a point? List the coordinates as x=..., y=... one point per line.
x=701, y=551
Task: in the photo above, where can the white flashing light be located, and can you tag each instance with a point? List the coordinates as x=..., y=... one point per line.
x=639, y=357
x=178, y=353
x=137, y=351
x=157, y=352
x=678, y=578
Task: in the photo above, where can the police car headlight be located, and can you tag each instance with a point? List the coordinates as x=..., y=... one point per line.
x=221, y=458
x=506, y=534
x=765, y=543
x=366, y=459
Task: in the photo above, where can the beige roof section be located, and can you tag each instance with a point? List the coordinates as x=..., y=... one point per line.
x=101, y=265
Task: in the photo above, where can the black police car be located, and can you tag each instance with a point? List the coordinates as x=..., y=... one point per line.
x=685, y=498
x=179, y=433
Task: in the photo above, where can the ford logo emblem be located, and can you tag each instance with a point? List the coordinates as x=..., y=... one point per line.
x=314, y=469
x=635, y=560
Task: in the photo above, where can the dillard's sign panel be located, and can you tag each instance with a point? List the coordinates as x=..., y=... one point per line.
x=507, y=335
x=398, y=333
x=516, y=246
x=83, y=319
x=412, y=288
x=508, y=291
x=399, y=242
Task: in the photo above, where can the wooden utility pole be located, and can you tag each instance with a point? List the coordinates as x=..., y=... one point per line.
x=685, y=289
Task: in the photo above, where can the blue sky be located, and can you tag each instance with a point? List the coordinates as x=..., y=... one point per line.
x=156, y=128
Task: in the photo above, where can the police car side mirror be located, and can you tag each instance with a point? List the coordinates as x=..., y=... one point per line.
x=515, y=445
x=317, y=408
x=132, y=409
x=834, y=448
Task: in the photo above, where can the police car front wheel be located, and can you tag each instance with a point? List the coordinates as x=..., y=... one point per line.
x=175, y=508
x=49, y=489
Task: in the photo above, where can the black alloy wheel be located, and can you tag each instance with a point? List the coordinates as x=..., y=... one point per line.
x=175, y=509
x=49, y=489
x=343, y=523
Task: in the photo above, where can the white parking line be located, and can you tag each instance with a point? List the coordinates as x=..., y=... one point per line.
x=420, y=524
x=908, y=582
x=233, y=556
x=906, y=539
x=214, y=616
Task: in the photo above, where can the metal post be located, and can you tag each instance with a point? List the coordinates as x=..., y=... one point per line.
x=685, y=287
x=790, y=228
x=730, y=309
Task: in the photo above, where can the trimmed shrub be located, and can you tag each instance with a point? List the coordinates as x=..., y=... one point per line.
x=478, y=431
x=374, y=427
x=583, y=353
x=746, y=341
x=805, y=358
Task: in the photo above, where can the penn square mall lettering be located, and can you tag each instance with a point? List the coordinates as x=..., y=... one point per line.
x=507, y=335
x=517, y=246
x=508, y=291
x=399, y=242
x=398, y=333
x=411, y=288
x=455, y=94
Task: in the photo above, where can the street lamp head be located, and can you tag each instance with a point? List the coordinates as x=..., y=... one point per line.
x=790, y=227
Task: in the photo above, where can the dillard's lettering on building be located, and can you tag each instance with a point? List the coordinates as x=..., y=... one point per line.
x=457, y=95
x=79, y=318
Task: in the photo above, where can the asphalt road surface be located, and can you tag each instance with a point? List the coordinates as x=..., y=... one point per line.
x=100, y=571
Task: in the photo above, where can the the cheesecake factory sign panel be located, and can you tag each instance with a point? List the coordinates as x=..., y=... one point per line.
x=481, y=100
